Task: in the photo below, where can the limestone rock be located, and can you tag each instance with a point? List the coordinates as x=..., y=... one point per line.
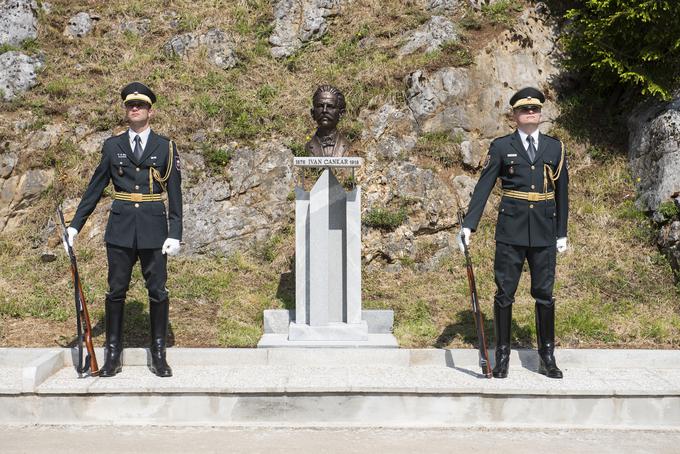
x=475, y=99
x=391, y=181
x=430, y=36
x=428, y=202
x=46, y=137
x=464, y=185
x=231, y=217
x=17, y=194
x=297, y=22
x=442, y=5
x=439, y=100
x=473, y=151
x=92, y=144
x=137, y=27
x=80, y=25
x=478, y=4
x=17, y=73
x=7, y=163
x=389, y=133
x=18, y=21
x=653, y=152
x=220, y=47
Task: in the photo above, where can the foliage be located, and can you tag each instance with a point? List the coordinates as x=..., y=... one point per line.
x=501, y=12
x=626, y=43
x=382, y=218
x=442, y=146
x=216, y=158
x=669, y=210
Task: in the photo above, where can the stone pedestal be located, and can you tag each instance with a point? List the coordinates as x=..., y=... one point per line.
x=328, y=264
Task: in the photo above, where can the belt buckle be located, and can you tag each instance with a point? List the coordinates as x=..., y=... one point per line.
x=533, y=196
x=136, y=197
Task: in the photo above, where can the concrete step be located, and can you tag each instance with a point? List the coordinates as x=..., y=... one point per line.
x=346, y=387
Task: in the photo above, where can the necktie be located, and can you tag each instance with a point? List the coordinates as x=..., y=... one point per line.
x=532, y=148
x=138, y=148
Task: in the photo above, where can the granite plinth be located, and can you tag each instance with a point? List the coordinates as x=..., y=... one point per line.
x=332, y=331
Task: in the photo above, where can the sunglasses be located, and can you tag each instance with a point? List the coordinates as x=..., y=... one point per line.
x=529, y=108
x=137, y=104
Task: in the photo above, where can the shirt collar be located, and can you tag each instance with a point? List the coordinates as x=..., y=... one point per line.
x=523, y=135
x=144, y=136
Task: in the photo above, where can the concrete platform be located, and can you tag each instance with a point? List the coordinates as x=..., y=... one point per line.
x=346, y=387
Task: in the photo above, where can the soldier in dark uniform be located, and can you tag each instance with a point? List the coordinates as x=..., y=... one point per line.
x=142, y=166
x=531, y=226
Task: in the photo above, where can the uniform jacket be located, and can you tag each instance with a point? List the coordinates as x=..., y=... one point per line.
x=143, y=225
x=521, y=222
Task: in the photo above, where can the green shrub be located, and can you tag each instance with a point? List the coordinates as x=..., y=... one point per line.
x=216, y=158
x=626, y=43
x=668, y=210
x=385, y=219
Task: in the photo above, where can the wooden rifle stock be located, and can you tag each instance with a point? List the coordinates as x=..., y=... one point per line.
x=476, y=311
x=83, y=325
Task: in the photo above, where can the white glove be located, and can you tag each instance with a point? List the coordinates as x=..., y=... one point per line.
x=464, y=233
x=70, y=237
x=562, y=244
x=170, y=247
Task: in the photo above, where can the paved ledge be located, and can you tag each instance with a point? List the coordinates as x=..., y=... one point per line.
x=371, y=387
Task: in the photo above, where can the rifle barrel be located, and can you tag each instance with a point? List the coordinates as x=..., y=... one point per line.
x=82, y=314
x=476, y=311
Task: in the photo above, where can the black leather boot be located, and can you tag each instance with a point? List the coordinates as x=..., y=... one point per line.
x=545, y=330
x=158, y=314
x=114, y=339
x=502, y=318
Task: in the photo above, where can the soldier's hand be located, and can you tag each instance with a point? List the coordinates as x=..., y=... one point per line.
x=464, y=233
x=562, y=244
x=171, y=246
x=70, y=238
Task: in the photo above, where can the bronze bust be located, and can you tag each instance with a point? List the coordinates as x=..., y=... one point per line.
x=327, y=110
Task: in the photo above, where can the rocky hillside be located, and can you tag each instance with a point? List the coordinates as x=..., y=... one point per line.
x=427, y=84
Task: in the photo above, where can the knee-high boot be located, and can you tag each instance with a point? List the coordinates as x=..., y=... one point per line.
x=502, y=318
x=114, y=338
x=158, y=314
x=545, y=330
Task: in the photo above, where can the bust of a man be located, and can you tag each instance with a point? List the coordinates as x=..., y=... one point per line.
x=328, y=107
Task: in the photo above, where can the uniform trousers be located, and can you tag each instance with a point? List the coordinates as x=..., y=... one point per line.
x=508, y=265
x=154, y=269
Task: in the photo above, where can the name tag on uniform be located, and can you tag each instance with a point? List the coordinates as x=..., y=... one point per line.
x=512, y=155
x=122, y=155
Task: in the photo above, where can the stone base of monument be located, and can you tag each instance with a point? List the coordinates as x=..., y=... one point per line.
x=316, y=387
x=331, y=332
x=374, y=331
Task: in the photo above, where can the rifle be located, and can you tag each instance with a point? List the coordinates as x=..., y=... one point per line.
x=83, y=326
x=479, y=320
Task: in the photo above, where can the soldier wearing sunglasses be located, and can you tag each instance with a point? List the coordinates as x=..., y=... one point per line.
x=144, y=168
x=531, y=225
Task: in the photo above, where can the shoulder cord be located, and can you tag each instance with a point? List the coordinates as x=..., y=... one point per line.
x=548, y=172
x=156, y=175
